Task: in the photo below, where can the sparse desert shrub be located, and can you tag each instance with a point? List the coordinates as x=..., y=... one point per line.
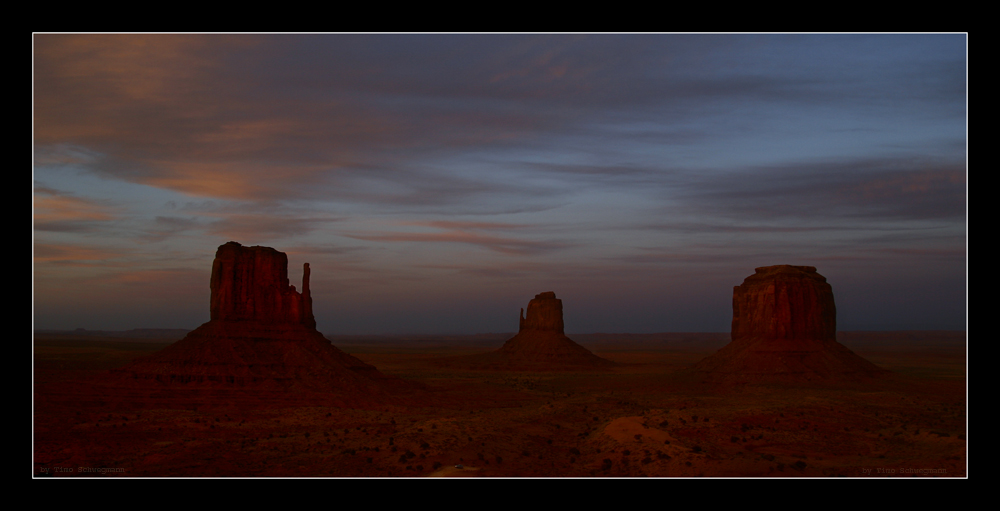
x=499, y=460
x=626, y=452
x=638, y=437
x=768, y=457
x=402, y=458
x=734, y=439
x=799, y=465
x=525, y=453
x=694, y=418
x=647, y=460
x=664, y=424
x=606, y=464
x=425, y=445
x=437, y=465
x=696, y=448
x=574, y=451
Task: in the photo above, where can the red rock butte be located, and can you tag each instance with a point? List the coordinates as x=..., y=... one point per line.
x=251, y=284
x=784, y=330
x=262, y=334
x=541, y=343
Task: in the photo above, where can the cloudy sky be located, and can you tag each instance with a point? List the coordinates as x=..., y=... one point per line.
x=436, y=183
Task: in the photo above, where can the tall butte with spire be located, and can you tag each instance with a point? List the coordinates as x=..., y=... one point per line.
x=541, y=342
x=784, y=330
x=262, y=334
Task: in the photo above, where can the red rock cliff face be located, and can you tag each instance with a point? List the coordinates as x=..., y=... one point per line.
x=251, y=284
x=545, y=314
x=784, y=302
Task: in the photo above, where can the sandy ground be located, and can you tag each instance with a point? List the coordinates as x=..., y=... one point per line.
x=638, y=419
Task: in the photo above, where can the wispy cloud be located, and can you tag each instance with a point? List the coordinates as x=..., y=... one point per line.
x=61, y=212
x=466, y=233
x=75, y=255
x=263, y=226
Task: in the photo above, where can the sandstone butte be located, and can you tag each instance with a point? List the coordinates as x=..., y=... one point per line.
x=541, y=342
x=261, y=335
x=784, y=330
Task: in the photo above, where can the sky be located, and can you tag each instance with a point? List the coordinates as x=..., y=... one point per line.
x=437, y=182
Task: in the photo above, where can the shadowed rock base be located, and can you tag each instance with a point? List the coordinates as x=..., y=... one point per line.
x=771, y=361
x=534, y=349
x=236, y=353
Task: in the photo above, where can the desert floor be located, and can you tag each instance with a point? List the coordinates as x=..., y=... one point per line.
x=642, y=418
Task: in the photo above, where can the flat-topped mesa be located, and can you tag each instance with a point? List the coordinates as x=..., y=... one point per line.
x=784, y=331
x=544, y=314
x=251, y=284
x=784, y=302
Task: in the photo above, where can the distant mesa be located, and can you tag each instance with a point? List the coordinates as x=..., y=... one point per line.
x=540, y=344
x=262, y=334
x=784, y=330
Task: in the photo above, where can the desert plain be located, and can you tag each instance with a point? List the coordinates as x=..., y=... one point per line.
x=645, y=416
